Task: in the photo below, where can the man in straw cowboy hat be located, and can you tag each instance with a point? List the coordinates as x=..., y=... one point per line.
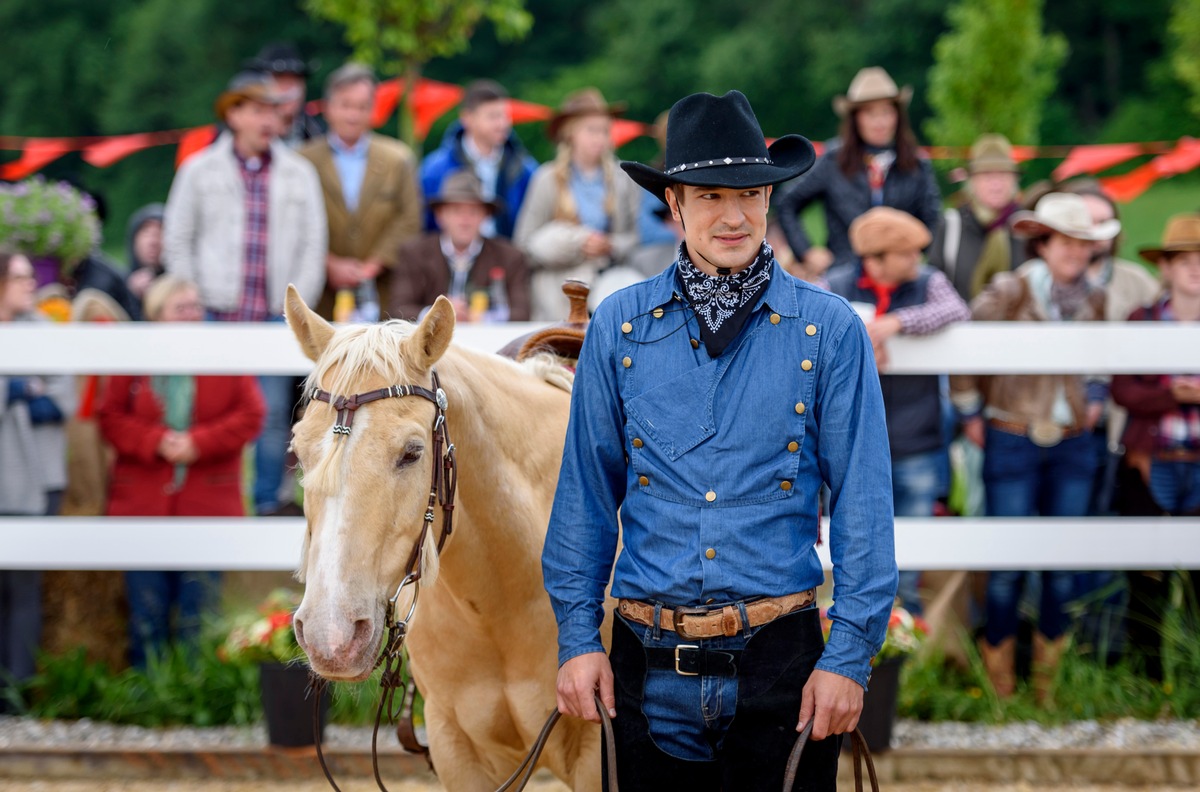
x=711, y=403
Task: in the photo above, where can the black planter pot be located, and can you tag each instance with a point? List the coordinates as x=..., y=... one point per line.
x=879, y=705
x=288, y=713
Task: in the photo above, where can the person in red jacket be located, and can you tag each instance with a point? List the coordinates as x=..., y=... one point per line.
x=179, y=441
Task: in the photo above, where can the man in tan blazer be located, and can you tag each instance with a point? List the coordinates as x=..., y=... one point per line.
x=370, y=187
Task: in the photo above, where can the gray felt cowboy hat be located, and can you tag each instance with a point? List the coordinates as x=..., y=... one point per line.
x=462, y=186
x=715, y=141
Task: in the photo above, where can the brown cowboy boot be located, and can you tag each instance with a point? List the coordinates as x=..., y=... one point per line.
x=999, y=663
x=1047, y=655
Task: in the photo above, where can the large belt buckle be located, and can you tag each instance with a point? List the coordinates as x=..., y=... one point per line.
x=1046, y=434
x=677, y=621
x=679, y=670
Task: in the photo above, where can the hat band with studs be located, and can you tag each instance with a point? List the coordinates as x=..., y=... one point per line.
x=713, y=163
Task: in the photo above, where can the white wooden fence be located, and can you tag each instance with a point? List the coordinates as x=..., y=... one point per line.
x=274, y=543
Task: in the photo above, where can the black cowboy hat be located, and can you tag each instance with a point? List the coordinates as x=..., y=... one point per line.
x=281, y=58
x=715, y=141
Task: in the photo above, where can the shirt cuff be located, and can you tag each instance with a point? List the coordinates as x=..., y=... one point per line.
x=577, y=636
x=1097, y=391
x=848, y=656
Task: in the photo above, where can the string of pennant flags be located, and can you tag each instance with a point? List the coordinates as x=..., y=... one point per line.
x=432, y=99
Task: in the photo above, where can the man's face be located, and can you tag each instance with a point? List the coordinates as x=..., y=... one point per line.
x=1066, y=257
x=292, y=89
x=994, y=189
x=1101, y=211
x=348, y=111
x=489, y=124
x=894, y=267
x=723, y=227
x=460, y=221
x=254, y=125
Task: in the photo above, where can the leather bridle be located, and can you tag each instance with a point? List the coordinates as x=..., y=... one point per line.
x=442, y=489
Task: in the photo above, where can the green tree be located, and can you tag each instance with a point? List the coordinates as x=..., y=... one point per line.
x=993, y=71
x=1185, y=60
x=401, y=36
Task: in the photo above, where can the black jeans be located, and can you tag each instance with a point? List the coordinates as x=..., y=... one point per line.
x=752, y=752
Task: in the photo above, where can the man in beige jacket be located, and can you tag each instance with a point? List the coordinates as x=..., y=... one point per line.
x=369, y=183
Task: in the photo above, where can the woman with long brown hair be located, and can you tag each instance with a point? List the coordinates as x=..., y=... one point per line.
x=580, y=214
x=874, y=161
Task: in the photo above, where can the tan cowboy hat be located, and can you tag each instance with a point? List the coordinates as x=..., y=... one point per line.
x=585, y=101
x=246, y=86
x=1065, y=214
x=868, y=85
x=1181, y=235
x=462, y=186
x=992, y=154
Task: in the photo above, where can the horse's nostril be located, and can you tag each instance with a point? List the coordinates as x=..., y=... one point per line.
x=362, y=632
x=298, y=626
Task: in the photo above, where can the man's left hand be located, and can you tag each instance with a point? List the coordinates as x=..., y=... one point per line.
x=883, y=328
x=832, y=702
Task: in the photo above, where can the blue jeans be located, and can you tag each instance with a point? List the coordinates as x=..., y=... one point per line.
x=152, y=597
x=1176, y=486
x=1023, y=479
x=916, y=482
x=270, y=452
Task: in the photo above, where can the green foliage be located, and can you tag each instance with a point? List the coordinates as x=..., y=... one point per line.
x=42, y=218
x=393, y=35
x=993, y=71
x=1185, y=33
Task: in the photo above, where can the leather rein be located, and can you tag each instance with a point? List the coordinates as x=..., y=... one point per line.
x=442, y=489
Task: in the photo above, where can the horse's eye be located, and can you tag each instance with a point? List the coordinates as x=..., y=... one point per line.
x=412, y=452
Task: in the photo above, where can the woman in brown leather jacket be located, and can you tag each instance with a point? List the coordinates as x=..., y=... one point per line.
x=1038, y=457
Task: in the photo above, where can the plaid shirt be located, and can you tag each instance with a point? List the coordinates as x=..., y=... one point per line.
x=254, y=307
x=941, y=307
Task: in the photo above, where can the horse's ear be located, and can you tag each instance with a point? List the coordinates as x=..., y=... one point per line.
x=429, y=341
x=310, y=330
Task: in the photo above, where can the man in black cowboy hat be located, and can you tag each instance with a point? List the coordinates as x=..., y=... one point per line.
x=710, y=404
x=290, y=72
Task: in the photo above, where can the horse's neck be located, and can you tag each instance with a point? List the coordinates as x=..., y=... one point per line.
x=508, y=429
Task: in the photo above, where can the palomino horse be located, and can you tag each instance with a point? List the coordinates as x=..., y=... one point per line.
x=483, y=640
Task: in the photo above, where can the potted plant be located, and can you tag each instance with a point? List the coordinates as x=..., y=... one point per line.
x=266, y=636
x=51, y=222
x=905, y=635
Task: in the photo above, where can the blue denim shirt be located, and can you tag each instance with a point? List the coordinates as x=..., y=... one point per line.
x=716, y=466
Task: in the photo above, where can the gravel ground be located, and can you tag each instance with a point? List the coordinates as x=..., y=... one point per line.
x=1121, y=734
x=366, y=785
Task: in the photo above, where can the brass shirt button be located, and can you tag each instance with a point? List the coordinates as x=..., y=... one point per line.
x=811, y=330
x=800, y=408
x=643, y=481
x=710, y=554
x=627, y=362
x=774, y=318
x=657, y=313
x=710, y=496
x=627, y=328
x=793, y=446
x=695, y=344
x=785, y=485
x=637, y=442
x=806, y=365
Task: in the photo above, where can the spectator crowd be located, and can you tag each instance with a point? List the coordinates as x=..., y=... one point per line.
x=367, y=229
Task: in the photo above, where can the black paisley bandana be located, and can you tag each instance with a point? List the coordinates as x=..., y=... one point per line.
x=723, y=303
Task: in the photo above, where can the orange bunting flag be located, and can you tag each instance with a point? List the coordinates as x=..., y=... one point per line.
x=194, y=140
x=527, y=112
x=1127, y=186
x=114, y=149
x=431, y=101
x=37, y=154
x=1093, y=159
x=387, y=96
x=624, y=130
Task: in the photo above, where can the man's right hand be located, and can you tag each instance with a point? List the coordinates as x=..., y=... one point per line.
x=818, y=260
x=342, y=272
x=578, y=681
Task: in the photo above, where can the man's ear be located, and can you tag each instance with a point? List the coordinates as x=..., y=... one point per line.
x=673, y=203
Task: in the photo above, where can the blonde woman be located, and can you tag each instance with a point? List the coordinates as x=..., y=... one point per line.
x=580, y=214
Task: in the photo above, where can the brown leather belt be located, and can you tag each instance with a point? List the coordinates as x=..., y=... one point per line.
x=1177, y=455
x=696, y=623
x=1042, y=433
